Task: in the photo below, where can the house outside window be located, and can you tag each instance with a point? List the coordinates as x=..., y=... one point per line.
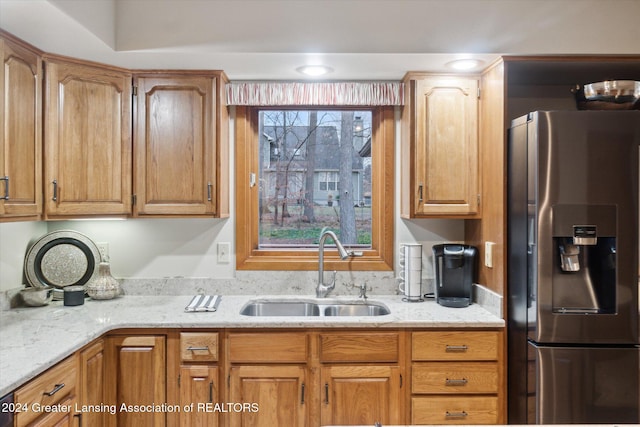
x=305, y=156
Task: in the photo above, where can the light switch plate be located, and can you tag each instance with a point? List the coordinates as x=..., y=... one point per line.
x=223, y=252
x=488, y=254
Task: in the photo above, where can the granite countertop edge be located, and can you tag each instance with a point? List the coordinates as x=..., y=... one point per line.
x=32, y=339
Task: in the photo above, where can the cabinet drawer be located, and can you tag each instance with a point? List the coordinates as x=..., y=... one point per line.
x=64, y=418
x=455, y=345
x=454, y=410
x=276, y=347
x=359, y=347
x=454, y=377
x=50, y=388
x=199, y=346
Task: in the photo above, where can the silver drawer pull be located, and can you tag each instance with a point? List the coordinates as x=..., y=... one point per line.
x=454, y=382
x=56, y=389
x=6, y=187
x=456, y=348
x=460, y=414
x=205, y=348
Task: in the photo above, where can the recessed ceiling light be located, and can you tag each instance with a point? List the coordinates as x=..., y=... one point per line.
x=314, y=70
x=464, y=64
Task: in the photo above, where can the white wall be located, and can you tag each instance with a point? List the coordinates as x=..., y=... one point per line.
x=14, y=242
x=157, y=248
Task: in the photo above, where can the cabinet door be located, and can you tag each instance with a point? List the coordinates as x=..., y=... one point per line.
x=199, y=386
x=87, y=140
x=446, y=146
x=137, y=376
x=20, y=132
x=175, y=145
x=92, y=383
x=277, y=392
x=361, y=395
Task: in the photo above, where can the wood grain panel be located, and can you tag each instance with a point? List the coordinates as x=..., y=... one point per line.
x=87, y=140
x=175, y=144
x=361, y=395
x=359, y=347
x=455, y=345
x=279, y=391
x=199, y=386
x=277, y=347
x=92, y=373
x=137, y=369
x=454, y=377
x=454, y=410
x=20, y=131
x=199, y=346
x=49, y=388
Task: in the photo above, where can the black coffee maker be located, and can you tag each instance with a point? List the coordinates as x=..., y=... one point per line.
x=455, y=271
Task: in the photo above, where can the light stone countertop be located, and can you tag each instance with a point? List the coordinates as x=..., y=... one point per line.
x=32, y=339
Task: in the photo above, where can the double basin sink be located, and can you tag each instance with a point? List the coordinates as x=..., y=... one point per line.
x=312, y=308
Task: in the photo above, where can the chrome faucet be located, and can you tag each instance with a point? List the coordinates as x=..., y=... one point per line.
x=323, y=290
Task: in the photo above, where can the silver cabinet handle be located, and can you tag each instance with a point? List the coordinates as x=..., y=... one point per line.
x=205, y=348
x=326, y=393
x=56, y=389
x=456, y=348
x=454, y=382
x=461, y=414
x=420, y=193
x=55, y=190
x=302, y=394
x=6, y=188
x=209, y=191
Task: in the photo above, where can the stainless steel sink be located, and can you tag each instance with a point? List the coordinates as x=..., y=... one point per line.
x=280, y=308
x=308, y=308
x=355, y=310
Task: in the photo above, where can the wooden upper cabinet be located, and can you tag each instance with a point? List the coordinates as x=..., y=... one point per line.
x=440, y=147
x=20, y=131
x=179, y=150
x=87, y=139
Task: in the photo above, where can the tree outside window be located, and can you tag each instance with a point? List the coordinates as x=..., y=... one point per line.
x=314, y=172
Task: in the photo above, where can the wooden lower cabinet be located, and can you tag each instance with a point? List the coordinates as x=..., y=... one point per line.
x=199, y=387
x=256, y=378
x=356, y=394
x=457, y=377
x=137, y=380
x=270, y=395
x=92, y=374
x=59, y=419
x=198, y=380
x=454, y=410
x=49, y=398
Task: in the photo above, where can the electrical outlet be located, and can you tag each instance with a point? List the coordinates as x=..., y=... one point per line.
x=223, y=252
x=103, y=248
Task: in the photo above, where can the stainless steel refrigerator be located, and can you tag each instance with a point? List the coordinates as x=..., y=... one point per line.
x=573, y=350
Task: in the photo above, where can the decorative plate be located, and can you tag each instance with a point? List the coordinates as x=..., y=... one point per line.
x=61, y=258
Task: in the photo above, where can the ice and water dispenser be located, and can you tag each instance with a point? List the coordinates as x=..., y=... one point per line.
x=584, y=273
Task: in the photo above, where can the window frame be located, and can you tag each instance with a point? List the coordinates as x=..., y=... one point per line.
x=250, y=257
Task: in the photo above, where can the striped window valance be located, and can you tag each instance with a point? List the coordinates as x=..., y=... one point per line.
x=307, y=93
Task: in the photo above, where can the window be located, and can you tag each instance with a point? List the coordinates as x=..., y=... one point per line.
x=288, y=169
x=317, y=179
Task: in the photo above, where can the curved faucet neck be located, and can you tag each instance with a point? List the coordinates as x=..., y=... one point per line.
x=322, y=290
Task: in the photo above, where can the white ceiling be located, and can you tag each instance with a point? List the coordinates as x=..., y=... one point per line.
x=359, y=39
